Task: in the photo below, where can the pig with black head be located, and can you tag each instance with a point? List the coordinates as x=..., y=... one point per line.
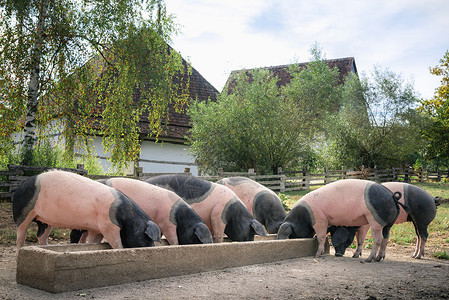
x=261, y=202
x=219, y=207
x=349, y=202
x=68, y=200
x=422, y=209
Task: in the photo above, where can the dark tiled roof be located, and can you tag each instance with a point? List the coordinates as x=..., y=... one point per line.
x=344, y=65
x=176, y=127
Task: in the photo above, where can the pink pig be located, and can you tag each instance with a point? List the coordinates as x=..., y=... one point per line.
x=219, y=207
x=422, y=210
x=261, y=202
x=68, y=200
x=177, y=220
x=349, y=202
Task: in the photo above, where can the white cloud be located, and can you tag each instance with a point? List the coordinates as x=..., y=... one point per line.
x=407, y=36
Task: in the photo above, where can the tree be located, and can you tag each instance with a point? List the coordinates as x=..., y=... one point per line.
x=249, y=127
x=315, y=90
x=67, y=57
x=258, y=124
x=376, y=124
x=437, y=108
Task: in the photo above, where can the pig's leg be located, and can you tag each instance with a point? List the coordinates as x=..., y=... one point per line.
x=218, y=228
x=22, y=231
x=422, y=233
x=112, y=234
x=361, y=236
x=83, y=238
x=321, y=232
x=217, y=224
x=94, y=238
x=417, y=249
x=43, y=238
x=382, y=250
x=376, y=233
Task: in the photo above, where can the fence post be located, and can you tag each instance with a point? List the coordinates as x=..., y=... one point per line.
x=326, y=176
x=427, y=175
x=439, y=174
x=393, y=174
x=251, y=172
x=282, y=185
x=420, y=174
x=306, y=179
x=220, y=172
x=406, y=175
x=343, y=172
x=279, y=170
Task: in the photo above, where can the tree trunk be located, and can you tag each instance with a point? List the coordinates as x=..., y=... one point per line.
x=33, y=87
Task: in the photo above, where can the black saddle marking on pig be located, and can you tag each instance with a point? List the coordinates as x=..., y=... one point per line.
x=240, y=224
x=422, y=208
x=268, y=210
x=105, y=181
x=381, y=204
x=24, y=199
x=298, y=222
x=136, y=227
x=190, y=228
x=189, y=188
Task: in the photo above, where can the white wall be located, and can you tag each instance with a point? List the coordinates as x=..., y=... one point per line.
x=154, y=158
x=166, y=158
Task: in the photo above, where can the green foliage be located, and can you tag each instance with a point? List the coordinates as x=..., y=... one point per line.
x=249, y=127
x=441, y=255
x=47, y=155
x=257, y=124
x=315, y=90
x=96, y=65
x=376, y=124
x=437, y=109
x=286, y=202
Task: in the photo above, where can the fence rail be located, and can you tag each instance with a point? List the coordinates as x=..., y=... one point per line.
x=283, y=182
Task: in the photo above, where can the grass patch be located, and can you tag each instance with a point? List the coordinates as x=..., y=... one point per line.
x=441, y=255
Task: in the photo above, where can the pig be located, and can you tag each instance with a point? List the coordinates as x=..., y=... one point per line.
x=179, y=223
x=347, y=202
x=261, y=202
x=422, y=210
x=68, y=200
x=219, y=207
x=342, y=237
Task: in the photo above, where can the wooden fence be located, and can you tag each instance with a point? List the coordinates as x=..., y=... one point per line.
x=283, y=182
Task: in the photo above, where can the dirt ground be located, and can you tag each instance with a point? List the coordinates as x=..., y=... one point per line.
x=328, y=277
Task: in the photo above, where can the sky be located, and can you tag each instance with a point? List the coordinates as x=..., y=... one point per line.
x=405, y=36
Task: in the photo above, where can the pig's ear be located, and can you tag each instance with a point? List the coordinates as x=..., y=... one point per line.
x=258, y=228
x=153, y=231
x=284, y=231
x=203, y=233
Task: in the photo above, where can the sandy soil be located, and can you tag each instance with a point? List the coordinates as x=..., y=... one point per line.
x=328, y=277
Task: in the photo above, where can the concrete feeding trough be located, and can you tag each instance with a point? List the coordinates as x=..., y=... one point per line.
x=62, y=268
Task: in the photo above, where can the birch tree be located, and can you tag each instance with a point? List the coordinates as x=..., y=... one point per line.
x=46, y=54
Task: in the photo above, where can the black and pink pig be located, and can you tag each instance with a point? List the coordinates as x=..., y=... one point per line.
x=422, y=210
x=219, y=207
x=348, y=202
x=68, y=200
x=261, y=202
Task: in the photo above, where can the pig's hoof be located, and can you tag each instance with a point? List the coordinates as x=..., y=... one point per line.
x=369, y=259
x=355, y=255
x=338, y=254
